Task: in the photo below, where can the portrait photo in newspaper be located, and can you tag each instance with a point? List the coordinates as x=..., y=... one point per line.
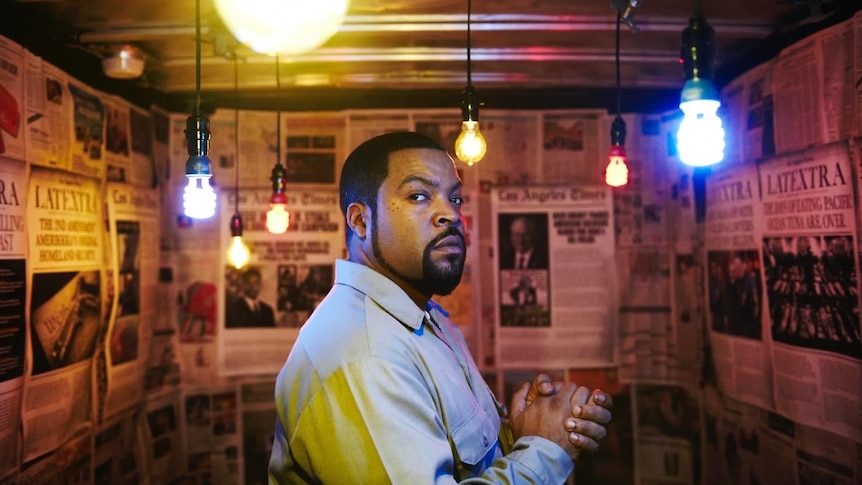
x=301, y=287
x=244, y=305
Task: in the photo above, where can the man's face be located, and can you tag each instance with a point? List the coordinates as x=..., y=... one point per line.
x=521, y=236
x=417, y=232
x=251, y=288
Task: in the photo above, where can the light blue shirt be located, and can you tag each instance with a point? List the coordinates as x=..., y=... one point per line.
x=374, y=393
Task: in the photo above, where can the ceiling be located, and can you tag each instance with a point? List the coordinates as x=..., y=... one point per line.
x=412, y=53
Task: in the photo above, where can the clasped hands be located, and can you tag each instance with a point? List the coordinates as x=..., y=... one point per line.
x=571, y=416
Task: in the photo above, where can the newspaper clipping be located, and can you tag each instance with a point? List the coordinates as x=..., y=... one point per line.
x=546, y=235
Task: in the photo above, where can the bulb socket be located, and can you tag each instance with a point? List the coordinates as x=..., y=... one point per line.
x=618, y=131
x=469, y=105
x=236, y=225
x=698, y=49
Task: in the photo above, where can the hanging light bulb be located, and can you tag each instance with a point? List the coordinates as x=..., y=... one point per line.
x=617, y=172
x=238, y=253
x=470, y=145
x=700, y=138
x=199, y=198
x=278, y=218
x=282, y=27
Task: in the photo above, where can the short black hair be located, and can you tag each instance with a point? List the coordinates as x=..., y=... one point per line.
x=368, y=165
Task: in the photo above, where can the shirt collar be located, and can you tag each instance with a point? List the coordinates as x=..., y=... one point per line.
x=382, y=290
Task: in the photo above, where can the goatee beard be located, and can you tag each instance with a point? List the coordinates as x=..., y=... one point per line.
x=436, y=279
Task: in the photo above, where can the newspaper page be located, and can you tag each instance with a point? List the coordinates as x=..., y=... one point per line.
x=570, y=148
x=836, y=45
x=545, y=317
x=49, y=109
x=798, y=94
x=364, y=125
x=747, y=103
x=133, y=220
x=67, y=289
x=645, y=314
x=639, y=206
x=117, y=455
x=666, y=430
x=513, y=148
x=313, y=147
x=73, y=459
x=734, y=285
x=857, y=71
x=88, y=122
x=810, y=268
x=264, y=304
x=142, y=172
x=613, y=462
x=258, y=427
x=738, y=447
x=13, y=299
x=118, y=156
x=12, y=102
x=161, y=434
x=212, y=434
x=748, y=445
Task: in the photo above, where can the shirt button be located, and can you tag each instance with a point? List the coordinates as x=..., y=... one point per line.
x=485, y=440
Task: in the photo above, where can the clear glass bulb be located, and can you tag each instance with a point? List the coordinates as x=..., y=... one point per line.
x=470, y=145
x=277, y=219
x=282, y=27
x=700, y=138
x=617, y=172
x=238, y=253
x=199, y=198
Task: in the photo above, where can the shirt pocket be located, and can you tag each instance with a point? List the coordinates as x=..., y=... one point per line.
x=474, y=438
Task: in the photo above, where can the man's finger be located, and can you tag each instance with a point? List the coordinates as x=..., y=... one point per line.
x=519, y=399
x=590, y=429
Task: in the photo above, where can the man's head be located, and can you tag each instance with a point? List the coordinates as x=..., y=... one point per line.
x=522, y=232
x=401, y=198
x=251, y=283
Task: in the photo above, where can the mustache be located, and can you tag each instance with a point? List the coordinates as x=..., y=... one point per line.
x=450, y=231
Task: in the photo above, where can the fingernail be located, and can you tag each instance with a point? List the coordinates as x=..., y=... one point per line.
x=571, y=424
x=546, y=387
x=576, y=410
x=600, y=398
x=574, y=437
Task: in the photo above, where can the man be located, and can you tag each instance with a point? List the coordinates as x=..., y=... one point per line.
x=379, y=386
x=524, y=293
x=522, y=251
x=248, y=310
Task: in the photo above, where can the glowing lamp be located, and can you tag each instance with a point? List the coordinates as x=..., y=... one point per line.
x=282, y=27
x=199, y=198
x=470, y=145
x=278, y=218
x=617, y=172
x=700, y=138
x=238, y=253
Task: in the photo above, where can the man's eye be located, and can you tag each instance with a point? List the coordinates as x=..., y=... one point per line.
x=418, y=197
x=459, y=201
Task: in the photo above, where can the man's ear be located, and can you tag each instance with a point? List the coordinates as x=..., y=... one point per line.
x=358, y=219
